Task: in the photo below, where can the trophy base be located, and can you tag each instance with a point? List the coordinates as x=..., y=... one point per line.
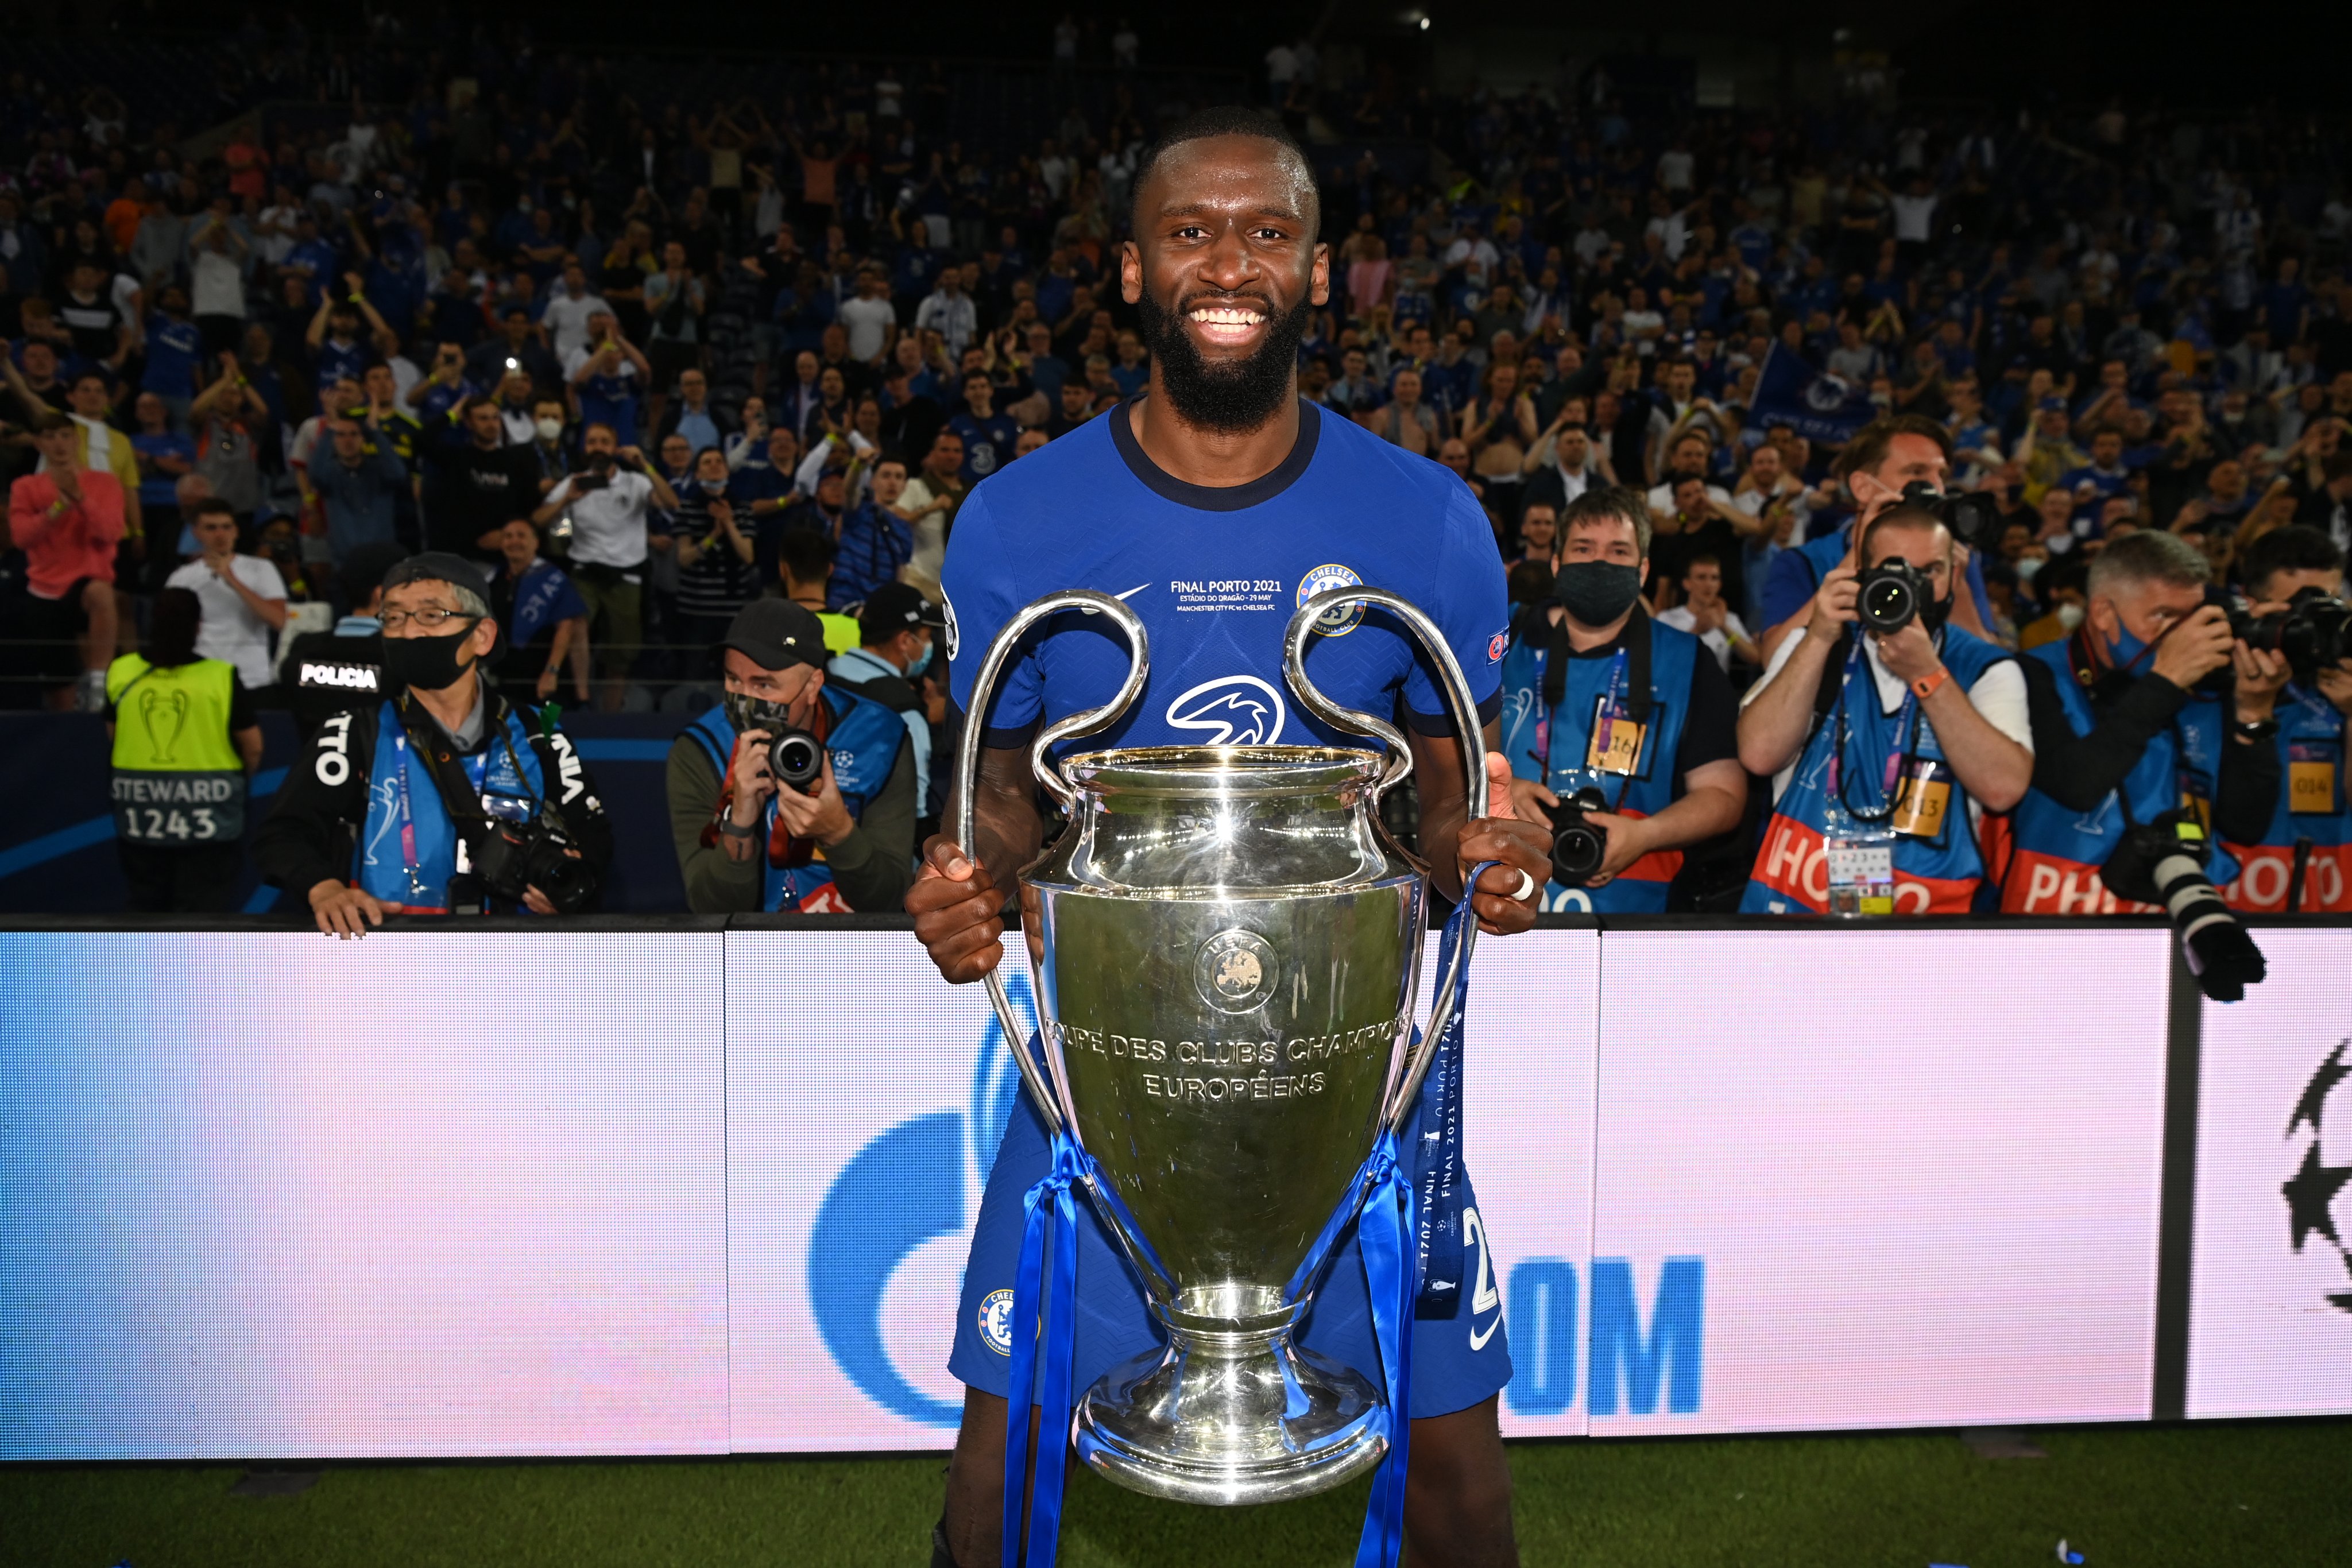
x=1231, y=1419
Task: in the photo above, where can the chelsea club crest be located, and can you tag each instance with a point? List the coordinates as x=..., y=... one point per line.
x=1340, y=620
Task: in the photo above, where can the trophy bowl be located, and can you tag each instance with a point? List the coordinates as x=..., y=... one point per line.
x=1227, y=953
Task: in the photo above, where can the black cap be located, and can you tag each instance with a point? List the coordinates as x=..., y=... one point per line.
x=437, y=566
x=775, y=633
x=893, y=607
x=363, y=570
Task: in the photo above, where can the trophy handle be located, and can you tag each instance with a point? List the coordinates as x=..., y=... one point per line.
x=967, y=774
x=1456, y=687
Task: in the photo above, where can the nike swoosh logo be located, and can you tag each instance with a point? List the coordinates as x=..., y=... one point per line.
x=1131, y=593
x=1478, y=1341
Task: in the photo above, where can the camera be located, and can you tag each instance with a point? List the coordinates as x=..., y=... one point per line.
x=2163, y=863
x=1578, y=847
x=2313, y=632
x=796, y=758
x=1889, y=596
x=1971, y=517
x=518, y=856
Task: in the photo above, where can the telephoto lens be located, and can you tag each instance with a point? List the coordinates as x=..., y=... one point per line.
x=1578, y=847
x=796, y=758
x=2162, y=862
x=1889, y=595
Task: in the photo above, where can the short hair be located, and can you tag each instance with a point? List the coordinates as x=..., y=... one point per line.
x=1226, y=119
x=465, y=410
x=1609, y=504
x=213, y=505
x=2150, y=556
x=1902, y=515
x=105, y=383
x=468, y=595
x=1870, y=444
x=171, y=628
x=1703, y=557
x=603, y=424
x=805, y=553
x=2297, y=549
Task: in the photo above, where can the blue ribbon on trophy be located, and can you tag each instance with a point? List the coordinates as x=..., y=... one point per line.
x=1393, y=1215
x=1050, y=1229
x=1438, y=1154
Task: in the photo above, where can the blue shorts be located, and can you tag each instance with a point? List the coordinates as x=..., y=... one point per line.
x=1458, y=1362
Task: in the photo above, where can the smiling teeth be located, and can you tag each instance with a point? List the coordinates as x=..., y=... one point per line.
x=1221, y=317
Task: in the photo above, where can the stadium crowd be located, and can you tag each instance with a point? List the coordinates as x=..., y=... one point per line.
x=647, y=362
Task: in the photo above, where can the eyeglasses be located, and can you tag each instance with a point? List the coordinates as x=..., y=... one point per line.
x=432, y=618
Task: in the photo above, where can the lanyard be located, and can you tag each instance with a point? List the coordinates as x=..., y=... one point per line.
x=1906, y=718
x=407, y=815
x=1607, y=721
x=1608, y=703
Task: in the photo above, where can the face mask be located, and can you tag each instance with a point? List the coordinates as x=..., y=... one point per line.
x=1597, y=591
x=2127, y=650
x=549, y=429
x=2070, y=616
x=745, y=712
x=2028, y=567
x=427, y=663
x=1935, y=612
x=922, y=661
x=712, y=487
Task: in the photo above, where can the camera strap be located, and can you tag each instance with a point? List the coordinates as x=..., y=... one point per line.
x=1634, y=641
x=1906, y=735
x=2101, y=687
x=461, y=798
x=1632, y=660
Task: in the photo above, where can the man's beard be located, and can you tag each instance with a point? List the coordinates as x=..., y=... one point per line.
x=1234, y=398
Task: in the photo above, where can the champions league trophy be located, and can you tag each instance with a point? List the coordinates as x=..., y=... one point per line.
x=1228, y=950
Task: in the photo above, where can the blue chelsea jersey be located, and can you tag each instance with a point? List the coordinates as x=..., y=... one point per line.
x=1215, y=575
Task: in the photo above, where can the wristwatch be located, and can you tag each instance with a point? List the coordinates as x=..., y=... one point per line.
x=1926, y=685
x=727, y=826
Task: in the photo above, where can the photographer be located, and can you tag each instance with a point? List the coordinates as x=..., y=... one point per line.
x=836, y=834
x=609, y=498
x=1878, y=465
x=2123, y=735
x=1628, y=720
x=442, y=797
x=1887, y=729
x=2303, y=864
